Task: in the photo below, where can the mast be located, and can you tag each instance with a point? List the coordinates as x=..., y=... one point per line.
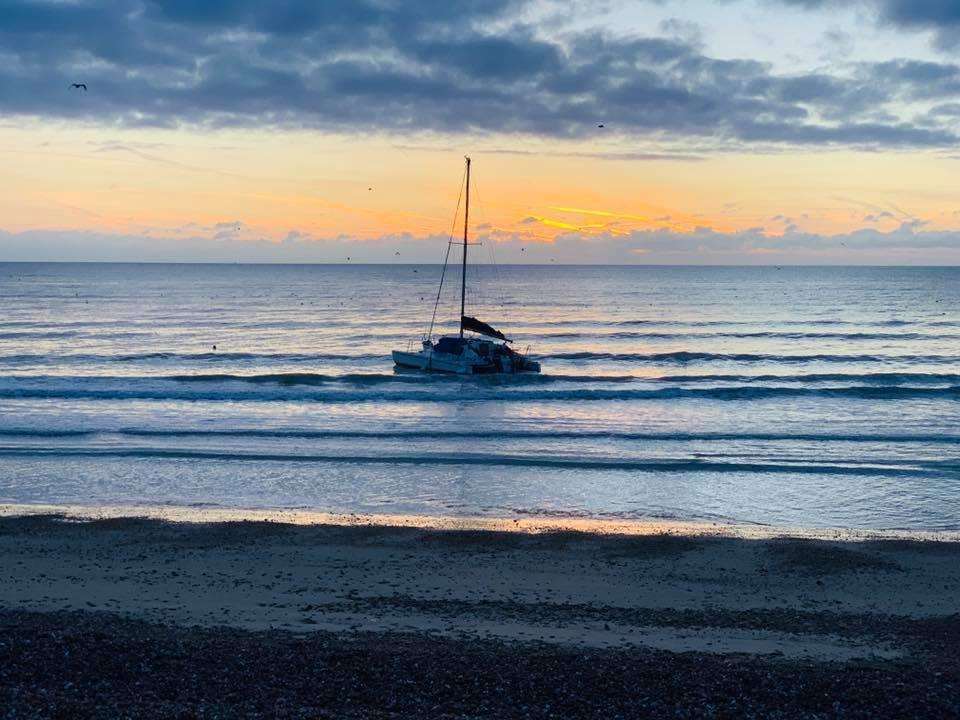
x=463, y=276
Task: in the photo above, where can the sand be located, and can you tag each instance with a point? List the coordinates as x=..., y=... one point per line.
x=664, y=588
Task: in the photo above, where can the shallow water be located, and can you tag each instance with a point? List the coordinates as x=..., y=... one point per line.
x=806, y=397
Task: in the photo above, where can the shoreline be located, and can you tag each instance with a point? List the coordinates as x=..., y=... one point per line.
x=228, y=618
x=530, y=524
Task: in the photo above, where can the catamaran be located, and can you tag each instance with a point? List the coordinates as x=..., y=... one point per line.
x=486, y=352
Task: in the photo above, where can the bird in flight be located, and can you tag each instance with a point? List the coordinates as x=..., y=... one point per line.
x=79, y=86
x=600, y=125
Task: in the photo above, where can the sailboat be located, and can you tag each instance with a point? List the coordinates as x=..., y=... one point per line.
x=484, y=351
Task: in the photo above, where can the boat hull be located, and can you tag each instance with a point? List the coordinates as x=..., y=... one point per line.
x=455, y=365
x=436, y=362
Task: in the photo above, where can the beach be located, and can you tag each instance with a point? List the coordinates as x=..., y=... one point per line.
x=537, y=621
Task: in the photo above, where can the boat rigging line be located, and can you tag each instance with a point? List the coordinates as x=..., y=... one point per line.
x=446, y=258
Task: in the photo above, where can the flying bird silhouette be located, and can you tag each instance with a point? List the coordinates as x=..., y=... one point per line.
x=79, y=86
x=600, y=125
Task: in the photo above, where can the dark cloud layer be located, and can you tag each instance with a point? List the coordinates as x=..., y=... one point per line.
x=442, y=66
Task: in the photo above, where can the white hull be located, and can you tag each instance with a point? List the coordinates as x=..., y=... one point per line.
x=436, y=362
x=466, y=363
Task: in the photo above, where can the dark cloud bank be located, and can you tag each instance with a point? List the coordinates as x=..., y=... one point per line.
x=458, y=66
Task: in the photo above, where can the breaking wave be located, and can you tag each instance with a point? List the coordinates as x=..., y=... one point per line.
x=653, y=465
x=439, y=389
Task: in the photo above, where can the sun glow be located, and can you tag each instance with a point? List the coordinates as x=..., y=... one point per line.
x=260, y=186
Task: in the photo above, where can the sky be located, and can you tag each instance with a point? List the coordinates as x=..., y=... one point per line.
x=733, y=132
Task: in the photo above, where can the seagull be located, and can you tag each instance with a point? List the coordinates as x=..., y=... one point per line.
x=79, y=86
x=600, y=125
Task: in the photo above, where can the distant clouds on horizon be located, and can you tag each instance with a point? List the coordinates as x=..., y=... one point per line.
x=905, y=245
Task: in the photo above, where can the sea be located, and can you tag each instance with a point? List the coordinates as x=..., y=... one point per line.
x=819, y=397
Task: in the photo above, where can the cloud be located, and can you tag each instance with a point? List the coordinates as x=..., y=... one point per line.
x=908, y=243
x=611, y=155
x=458, y=66
x=940, y=16
x=836, y=45
x=948, y=109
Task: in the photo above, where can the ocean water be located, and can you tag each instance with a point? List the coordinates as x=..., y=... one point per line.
x=816, y=397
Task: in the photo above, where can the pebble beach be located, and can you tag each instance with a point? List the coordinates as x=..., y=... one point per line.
x=146, y=617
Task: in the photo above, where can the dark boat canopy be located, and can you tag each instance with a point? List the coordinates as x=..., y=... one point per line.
x=450, y=345
x=477, y=326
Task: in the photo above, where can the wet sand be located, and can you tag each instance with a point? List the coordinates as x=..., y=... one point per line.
x=887, y=604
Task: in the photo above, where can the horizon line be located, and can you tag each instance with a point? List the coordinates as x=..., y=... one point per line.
x=440, y=264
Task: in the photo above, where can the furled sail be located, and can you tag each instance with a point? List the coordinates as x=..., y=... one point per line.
x=471, y=323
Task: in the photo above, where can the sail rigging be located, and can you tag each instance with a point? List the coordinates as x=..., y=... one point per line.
x=460, y=354
x=463, y=276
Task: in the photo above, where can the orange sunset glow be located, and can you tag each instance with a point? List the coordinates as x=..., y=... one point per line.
x=172, y=184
